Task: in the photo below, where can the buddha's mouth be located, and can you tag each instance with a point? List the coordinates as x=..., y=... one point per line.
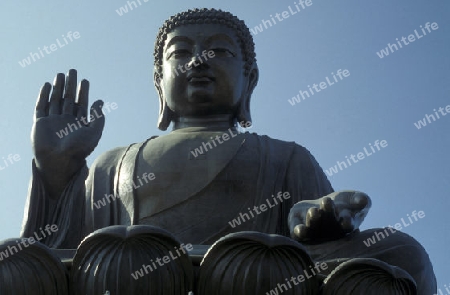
x=198, y=78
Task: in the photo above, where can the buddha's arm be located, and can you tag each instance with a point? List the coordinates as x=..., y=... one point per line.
x=62, y=137
x=66, y=211
x=80, y=208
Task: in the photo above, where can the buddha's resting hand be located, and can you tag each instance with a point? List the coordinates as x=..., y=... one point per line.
x=328, y=218
x=63, y=134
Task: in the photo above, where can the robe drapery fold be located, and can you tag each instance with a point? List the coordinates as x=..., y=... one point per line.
x=261, y=168
x=66, y=212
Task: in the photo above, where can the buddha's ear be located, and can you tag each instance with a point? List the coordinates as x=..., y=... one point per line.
x=165, y=116
x=244, y=117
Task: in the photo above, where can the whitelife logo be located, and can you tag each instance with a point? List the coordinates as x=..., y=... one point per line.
x=322, y=85
x=26, y=242
x=162, y=261
x=243, y=217
x=356, y=158
x=71, y=127
x=49, y=49
x=411, y=38
x=398, y=226
x=10, y=160
x=280, y=16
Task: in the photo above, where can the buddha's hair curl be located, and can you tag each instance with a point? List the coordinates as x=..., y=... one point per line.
x=206, y=16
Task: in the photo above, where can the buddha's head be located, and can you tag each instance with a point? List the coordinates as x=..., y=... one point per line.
x=205, y=67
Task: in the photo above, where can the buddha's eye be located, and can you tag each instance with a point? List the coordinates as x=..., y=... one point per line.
x=222, y=52
x=179, y=53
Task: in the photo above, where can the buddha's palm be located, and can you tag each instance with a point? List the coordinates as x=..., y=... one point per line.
x=328, y=218
x=62, y=135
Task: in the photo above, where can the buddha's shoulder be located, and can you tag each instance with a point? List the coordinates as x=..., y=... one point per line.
x=112, y=157
x=256, y=139
x=285, y=152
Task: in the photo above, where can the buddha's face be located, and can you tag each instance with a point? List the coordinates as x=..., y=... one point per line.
x=203, y=71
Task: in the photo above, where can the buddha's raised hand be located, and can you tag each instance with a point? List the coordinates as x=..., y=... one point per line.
x=63, y=134
x=328, y=218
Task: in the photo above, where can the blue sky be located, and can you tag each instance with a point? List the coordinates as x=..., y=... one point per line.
x=380, y=99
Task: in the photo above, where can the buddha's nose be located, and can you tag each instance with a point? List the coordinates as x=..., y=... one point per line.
x=199, y=60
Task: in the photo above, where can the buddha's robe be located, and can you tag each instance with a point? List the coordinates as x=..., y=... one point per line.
x=199, y=198
x=194, y=197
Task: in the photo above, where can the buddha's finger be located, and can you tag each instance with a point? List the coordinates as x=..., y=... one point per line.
x=70, y=93
x=300, y=209
x=353, y=200
x=293, y=220
x=57, y=93
x=347, y=224
x=360, y=200
x=42, y=101
x=98, y=118
x=83, y=98
x=313, y=217
x=300, y=232
x=328, y=207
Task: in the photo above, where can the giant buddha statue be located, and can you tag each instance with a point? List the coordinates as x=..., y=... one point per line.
x=205, y=179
